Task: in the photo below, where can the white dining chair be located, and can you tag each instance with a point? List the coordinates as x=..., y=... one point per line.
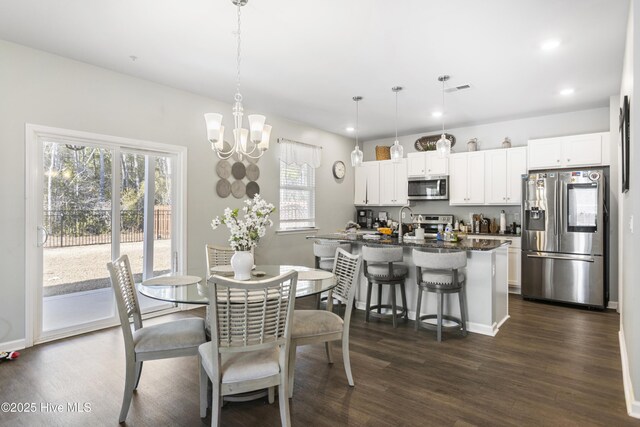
x=250, y=336
x=324, y=326
x=165, y=340
x=217, y=256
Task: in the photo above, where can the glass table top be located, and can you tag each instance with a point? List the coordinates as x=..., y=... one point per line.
x=310, y=283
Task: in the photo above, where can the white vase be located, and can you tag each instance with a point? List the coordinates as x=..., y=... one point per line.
x=242, y=263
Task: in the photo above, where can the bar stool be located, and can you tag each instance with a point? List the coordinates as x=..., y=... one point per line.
x=324, y=252
x=379, y=268
x=438, y=272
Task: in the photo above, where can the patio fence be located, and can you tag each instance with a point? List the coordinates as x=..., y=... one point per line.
x=81, y=227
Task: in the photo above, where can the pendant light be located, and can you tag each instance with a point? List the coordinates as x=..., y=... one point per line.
x=356, y=154
x=252, y=142
x=396, y=149
x=443, y=146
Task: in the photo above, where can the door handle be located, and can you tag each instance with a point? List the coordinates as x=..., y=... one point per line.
x=555, y=210
x=563, y=258
x=46, y=236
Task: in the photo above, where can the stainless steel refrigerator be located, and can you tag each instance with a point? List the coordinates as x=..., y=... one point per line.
x=564, y=236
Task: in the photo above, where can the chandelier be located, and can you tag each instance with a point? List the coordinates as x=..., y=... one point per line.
x=356, y=154
x=443, y=146
x=396, y=149
x=250, y=143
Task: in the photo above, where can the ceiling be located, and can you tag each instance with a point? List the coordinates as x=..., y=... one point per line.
x=305, y=60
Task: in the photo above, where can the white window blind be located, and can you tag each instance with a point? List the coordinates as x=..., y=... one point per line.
x=297, y=196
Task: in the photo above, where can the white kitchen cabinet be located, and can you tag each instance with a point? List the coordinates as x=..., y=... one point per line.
x=515, y=260
x=367, y=184
x=467, y=178
x=393, y=183
x=426, y=163
x=569, y=151
x=504, y=169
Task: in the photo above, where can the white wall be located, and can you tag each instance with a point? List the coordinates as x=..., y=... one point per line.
x=46, y=89
x=630, y=241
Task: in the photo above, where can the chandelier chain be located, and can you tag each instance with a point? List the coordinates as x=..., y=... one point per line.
x=357, y=125
x=396, y=121
x=238, y=96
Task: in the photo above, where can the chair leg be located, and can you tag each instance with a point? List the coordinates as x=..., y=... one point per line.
x=292, y=367
x=404, y=302
x=129, y=385
x=418, y=307
x=463, y=310
x=439, y=324
x=138, y=373
x=216, y=405
x=347, y=358
x=204, y=382
x=379, y=298
x=283, y=393
x=368, y=308
x=271, y=392
x=318, y=300
x=392, y=291
x=327, y=347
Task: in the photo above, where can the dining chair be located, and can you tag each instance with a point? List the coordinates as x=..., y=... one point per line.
x=165, y=340
x=217, y=255
x=324, y=326
x=250, y=336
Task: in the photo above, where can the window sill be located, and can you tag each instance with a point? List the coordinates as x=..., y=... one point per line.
x=297, y=230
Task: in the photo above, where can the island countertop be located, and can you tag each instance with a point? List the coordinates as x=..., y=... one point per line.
x=465, y=244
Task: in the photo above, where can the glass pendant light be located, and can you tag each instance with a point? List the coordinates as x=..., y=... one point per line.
x=397, y=151
x=356, y=154
x=443, y=146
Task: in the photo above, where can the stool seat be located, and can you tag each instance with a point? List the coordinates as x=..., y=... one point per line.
x=381, y=271
x=431, y=279
x=325, y=264
x=439, y=272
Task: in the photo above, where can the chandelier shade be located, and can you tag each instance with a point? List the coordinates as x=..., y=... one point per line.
x=356, y=155
x=397, y=151
x=443, y=146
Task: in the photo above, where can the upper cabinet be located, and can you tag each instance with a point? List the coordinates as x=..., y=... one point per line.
x=367, y=184
x=426, y=163
x=504, y=169
x=569, y=151
x=466, y=178
x=393, y=183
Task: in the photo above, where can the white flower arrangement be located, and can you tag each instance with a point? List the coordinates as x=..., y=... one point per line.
x=245, y=234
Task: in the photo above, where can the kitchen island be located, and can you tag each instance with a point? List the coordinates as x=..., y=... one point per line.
x=486, y=278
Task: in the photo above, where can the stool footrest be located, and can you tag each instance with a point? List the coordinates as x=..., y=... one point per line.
x=400, y=311
x=433, y=326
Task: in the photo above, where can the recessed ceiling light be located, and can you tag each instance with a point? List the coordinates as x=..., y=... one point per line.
x=437, y=114
x=550, y=44
x=350, y=129
x=567, y=91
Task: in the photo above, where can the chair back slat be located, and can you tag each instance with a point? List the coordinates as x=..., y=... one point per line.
x=247, y=316
x=346, y=269
x=126, y=296
x=218, y=255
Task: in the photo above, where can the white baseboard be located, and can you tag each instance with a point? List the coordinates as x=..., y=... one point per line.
x=613, y=305
x=13, y=345
x=633, y=405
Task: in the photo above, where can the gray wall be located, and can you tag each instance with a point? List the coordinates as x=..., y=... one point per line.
x=46, y=89
x=628, y=206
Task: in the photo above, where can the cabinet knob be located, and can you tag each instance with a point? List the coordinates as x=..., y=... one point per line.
x=558, y=161
x=568, y=160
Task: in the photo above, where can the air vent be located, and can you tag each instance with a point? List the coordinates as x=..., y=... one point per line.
x=457, y=88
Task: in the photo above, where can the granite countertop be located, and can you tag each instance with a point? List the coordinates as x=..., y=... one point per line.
x=465, y=244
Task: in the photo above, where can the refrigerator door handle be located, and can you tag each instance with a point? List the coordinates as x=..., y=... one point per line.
x=563, y=258
x=555, y=208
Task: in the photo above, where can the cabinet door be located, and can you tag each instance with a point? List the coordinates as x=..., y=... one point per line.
x=401, y=183
x=458, y=179
x=475, y=178
x=373, y=182
x=496, y=167
x=545, y=153
x=436, y=165
x=360, y=192
x=416, y=164
x=514, y=268
x=582, y=150
x=516, y=167
x=387, y=183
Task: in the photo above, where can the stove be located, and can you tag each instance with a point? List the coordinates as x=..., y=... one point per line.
x=430, y=222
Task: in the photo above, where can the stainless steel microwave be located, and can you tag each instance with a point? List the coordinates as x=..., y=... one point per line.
x=432, y=188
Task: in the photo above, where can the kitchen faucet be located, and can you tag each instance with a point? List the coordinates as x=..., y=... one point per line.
x=400, y=220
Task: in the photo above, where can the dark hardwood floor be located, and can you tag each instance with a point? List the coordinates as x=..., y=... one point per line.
x=549, y=365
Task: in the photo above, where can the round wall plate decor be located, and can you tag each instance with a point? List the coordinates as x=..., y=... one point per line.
x=253, y=172
x=252, y=189
x=223, y=188
x=223, y=169
x=238, y=170
x=238, y=189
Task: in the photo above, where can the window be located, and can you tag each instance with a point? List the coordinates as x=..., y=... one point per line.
x=297, y=196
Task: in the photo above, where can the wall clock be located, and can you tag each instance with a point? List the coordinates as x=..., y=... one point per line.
x=339, y=169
